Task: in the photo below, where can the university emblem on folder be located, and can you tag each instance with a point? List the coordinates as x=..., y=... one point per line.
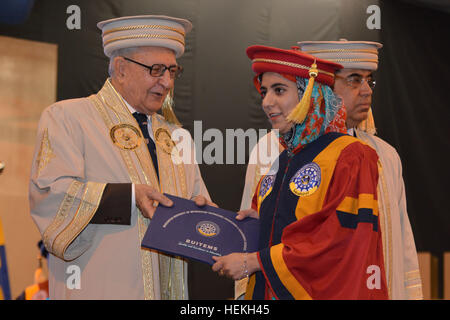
x=207, y=228
x=306, y=181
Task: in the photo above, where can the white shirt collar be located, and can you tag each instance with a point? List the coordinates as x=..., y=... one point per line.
x=132, y=110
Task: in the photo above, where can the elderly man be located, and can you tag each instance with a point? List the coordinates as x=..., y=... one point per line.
x=100, y=168
x=355, y=84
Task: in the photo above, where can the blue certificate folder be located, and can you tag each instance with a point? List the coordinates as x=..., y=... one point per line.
x=199, y=232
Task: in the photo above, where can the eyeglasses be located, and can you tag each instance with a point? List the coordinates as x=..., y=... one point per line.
x=157, y=70
x=356, y=81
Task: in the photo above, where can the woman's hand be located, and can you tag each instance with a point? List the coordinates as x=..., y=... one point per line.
x=236, y=265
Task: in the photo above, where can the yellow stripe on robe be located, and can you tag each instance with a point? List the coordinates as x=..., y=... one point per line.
x=2, y=238
x=286, y=277
x=250, y=287
x=314, y=202
x=352, y=205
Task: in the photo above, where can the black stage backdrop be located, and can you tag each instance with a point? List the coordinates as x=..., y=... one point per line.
x=409, y=105
x=412, y=111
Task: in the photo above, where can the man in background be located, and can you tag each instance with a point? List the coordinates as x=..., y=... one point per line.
x=355, y=84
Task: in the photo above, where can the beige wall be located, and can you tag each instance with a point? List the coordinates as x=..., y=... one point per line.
x=428, y=265
x=28, y=72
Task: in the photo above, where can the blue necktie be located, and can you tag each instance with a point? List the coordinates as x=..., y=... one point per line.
x=142, y=121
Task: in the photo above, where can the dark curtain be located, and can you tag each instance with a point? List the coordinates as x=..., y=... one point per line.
x=412, y=113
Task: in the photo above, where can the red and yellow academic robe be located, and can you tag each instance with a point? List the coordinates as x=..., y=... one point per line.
x=320, y=236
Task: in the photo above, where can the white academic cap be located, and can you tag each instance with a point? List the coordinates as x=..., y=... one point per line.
x=145, y=30
x=351, y=54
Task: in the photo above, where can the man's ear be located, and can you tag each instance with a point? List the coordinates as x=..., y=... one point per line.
x=119, y=68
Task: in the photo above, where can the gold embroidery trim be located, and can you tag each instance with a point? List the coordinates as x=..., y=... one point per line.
x=140, y=152
x=89, y=204
x=412, y=275
x=111, y=94
x=62, y=213
x=290, y=64
x=148, y=26
x=162, y=137
x=385, y=201
x=45, y=153
x=144, y=36
x=414, y=286
x=342, y=50
x=353, y=60
x=170, y=280
x=415, y=292
x=182, y=175
x=125, y=136
x=123, y=115
x=109, y=124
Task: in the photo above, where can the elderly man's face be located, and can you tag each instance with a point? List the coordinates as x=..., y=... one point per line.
x=142, y=91
x=357, y=98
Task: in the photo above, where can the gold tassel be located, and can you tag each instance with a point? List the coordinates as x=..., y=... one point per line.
x=368, y=125
x=300, y=111
x=167, y=110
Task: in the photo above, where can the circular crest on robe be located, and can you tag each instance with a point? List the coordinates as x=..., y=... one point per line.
x=207, y=229
x=306, y=181
x=266, y=184
x=125, y=136
x=163, y=138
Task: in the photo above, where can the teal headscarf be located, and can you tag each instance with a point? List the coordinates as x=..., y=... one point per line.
x=326, y=114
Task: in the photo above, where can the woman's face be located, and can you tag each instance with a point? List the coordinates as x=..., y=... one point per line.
x=279, y=98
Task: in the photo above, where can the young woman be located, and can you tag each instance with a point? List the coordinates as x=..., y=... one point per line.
x=319, y=234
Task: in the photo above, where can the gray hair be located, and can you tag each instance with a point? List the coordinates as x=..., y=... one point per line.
x=119, y=53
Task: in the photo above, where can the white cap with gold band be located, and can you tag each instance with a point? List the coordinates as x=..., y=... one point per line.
x=144, y=30
x=351, y=54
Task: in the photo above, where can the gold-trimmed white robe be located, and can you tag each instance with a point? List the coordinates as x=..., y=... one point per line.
x=74, y=159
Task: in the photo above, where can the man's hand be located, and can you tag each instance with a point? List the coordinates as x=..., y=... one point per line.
x=201, y=201
x=147, y=199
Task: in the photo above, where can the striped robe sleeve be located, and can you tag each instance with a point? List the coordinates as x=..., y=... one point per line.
x=336, y=252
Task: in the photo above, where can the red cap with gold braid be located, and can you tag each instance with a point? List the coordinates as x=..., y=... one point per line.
x=296, y=63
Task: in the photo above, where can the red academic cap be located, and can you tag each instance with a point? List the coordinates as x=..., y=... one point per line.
x=297, y=63
x=294, y=61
